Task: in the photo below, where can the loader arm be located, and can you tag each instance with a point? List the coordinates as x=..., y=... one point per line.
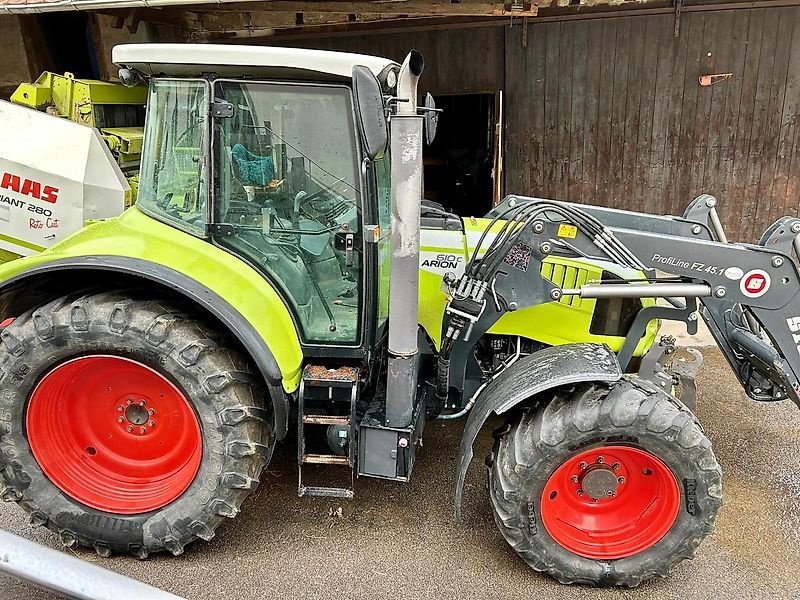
x=750, y=293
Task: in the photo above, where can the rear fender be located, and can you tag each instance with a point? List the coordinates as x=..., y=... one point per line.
x=50, y=280
x=541, y=371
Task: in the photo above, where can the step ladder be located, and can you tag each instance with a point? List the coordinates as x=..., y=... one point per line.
x=327, y=397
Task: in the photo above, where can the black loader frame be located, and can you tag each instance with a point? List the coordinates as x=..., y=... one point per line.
x=748, y=295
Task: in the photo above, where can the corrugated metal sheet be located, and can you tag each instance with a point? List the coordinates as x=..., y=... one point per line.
x=610, y=111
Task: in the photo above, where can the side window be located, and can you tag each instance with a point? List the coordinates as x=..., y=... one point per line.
x=173, y=185
x=384, y=181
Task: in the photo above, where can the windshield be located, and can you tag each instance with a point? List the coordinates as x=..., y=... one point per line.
x=287, y=181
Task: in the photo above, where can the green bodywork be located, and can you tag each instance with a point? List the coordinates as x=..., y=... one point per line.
x=553, y=323
x=135, y=235
x=259, y=300
x=79, y=100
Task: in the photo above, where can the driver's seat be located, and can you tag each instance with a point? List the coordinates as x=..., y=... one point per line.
x=252, y=169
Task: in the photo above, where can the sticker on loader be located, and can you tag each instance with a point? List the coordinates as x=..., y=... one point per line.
x=734, y=273
x=567, y=231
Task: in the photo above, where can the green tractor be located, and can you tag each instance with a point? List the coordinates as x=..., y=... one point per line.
x=280, y=276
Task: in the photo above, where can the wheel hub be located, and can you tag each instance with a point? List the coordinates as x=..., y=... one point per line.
x=600, y=483
x=610, y=502
x=130, y=441
x=138, y=415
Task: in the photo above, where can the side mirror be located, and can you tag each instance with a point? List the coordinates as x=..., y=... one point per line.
x=370, y=113
x=431, y=118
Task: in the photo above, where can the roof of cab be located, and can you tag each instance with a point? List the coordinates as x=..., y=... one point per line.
x=187, y=60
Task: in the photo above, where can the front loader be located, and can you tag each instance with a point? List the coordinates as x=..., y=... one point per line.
x=280, y=277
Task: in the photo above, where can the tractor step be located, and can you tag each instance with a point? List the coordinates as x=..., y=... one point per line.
x=326, y=492
x=327, y=405
x=324, y=459
x=325, y=420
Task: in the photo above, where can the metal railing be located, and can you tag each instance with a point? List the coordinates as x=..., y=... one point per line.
x=68, y=575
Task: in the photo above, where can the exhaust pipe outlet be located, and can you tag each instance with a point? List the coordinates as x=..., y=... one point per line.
x=407, y=80
x=406, y=141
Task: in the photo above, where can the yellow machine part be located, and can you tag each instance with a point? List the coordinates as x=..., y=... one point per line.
x=76, y=99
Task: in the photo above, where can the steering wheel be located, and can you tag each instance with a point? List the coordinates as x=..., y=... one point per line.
x=244, y=208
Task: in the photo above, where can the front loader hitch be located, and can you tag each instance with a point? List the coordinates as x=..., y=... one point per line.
x=664, y=366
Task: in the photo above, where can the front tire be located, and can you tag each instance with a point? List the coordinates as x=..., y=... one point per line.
x=605, y=486
x=127, y=426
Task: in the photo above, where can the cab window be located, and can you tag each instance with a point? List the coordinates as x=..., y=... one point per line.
x=287, y=182
x=173, y=184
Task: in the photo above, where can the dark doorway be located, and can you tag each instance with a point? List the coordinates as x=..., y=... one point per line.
x=70, y=46
x=459, y=164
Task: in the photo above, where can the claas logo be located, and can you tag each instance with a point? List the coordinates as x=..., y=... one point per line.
x=29, y=187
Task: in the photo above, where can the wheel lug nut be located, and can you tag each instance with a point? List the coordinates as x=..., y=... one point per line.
x=574, y=479
x=141, y=402
x=615, y=466
x=151, y=411
x=580, y=492
x=130, y=428
x=621, y=479
x=142, y=429
x=152, y=423
x=120, y=419
x=600, y=460
x=611, y=493
x=583, y=465
x=129, y=401
x=120, y=408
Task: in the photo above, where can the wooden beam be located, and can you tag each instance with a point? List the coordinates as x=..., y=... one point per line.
x=200, y=19
x=464, y=8
x=181, y=19
x=36, y=49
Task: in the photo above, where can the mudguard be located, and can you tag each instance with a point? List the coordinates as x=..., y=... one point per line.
x=137, y=245
x=549, y=368
x=237, y=325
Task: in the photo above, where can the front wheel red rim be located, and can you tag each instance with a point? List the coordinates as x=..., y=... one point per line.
x=611, y=502
x=114, y=434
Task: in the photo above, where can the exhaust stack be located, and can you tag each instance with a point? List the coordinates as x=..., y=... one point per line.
x=406, y=133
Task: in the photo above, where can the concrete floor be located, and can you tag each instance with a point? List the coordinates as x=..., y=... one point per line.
x=400, y=541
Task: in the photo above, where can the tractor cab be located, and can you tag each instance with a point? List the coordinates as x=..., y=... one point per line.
x=271, y=167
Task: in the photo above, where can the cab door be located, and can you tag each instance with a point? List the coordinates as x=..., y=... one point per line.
x=287, y=199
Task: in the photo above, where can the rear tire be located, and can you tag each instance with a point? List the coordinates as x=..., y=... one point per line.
x=69, y=371
x=657, y=516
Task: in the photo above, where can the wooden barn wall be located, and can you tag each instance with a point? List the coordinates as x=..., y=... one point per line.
x=456, y=60
x=610, y=111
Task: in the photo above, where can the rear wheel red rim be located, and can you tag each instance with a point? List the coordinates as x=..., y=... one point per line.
x=610, y=502
x=114, y=434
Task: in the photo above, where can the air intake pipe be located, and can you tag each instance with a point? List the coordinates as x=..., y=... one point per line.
x=406, y=156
